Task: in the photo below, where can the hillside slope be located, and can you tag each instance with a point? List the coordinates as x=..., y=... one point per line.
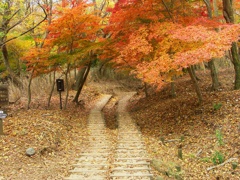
x=183, y=138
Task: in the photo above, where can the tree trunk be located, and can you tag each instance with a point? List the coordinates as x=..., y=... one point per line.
x=1, y=127
x=173, y=90
x=67, y=86
x=146, y=89
x=211, y=64
x=228, y=14
x=75, y=73
x=79, y=78
x=13, y=76
x=29, y=89
x=51, y=92
x=82, y=83
x=194, y=73
x=195, y=84
x=236, y=62
x=214, y=75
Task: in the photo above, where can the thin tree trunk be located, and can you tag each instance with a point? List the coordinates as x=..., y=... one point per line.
x=211, y=64
x=214, y=75
x=173, y=90
x=215, y=8
x=75, y=73
x=195, y=84
x=13, y=76
x=146, y=89
x=79, y=78
x=52, y=89
x=67, y=86
x=202, y=66
x=236, y=63
x=29, y=88
x=82, y=83
x=228, y=14
x=194, y=73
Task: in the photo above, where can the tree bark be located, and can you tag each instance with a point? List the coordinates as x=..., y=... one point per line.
x=236, y=62
x=173, y=90
x=29, y=89
x=194, y=73
x=13, y=76
x=51, y=92
x=228, y=14
x=146, y=89
x=214, y=75
x=79, y=78
x=7, y=17
x=82, y=83
x=211, y=64
x=195, y=84
x=67, y=86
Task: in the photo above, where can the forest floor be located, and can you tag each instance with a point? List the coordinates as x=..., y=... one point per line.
x=183, y=138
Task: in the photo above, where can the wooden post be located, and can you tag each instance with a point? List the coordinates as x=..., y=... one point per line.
x=4, y=100
x=1, y=126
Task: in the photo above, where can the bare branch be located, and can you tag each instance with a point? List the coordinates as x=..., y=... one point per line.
x=13, y=15
x=208, y=5
x=227, y=161
x=168, y=10
x=17, y=23
x=45, y=13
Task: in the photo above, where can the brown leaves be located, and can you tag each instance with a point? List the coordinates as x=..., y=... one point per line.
x=168, y=123
x=57, y=137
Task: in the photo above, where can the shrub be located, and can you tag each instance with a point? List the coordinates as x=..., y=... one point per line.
x=218, y=158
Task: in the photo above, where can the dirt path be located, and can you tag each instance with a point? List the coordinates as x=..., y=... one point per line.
x=105, y=160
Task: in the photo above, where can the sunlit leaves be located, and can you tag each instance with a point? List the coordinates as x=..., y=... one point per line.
x=73, y=28
x=157, y=43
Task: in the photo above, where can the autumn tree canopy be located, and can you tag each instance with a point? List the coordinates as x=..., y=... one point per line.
x=157, y=39
x=71, y=36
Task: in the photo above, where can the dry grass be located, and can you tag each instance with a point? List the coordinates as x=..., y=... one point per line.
x=40, y=88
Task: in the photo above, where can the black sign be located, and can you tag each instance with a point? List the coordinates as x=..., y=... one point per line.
x=60, y=85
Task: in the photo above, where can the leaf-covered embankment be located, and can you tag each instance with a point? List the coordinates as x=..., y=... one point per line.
x=185, y=139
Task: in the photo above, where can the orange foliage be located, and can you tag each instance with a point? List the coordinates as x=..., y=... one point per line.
x=158, y=40
x=74, y=28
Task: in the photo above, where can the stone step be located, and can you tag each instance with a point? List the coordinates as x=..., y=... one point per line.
x=99, y=147
x=131, y=141
x=131, y=175
x=130, y=155
x=130, y=169
x=136, y=159
x=130, y=147
x=90, y=164
x=131, y=163
x=91, y=158
x=87, y=170
x=97, y=151
x=82, y=177
x=95, y=154
x=130, y=150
